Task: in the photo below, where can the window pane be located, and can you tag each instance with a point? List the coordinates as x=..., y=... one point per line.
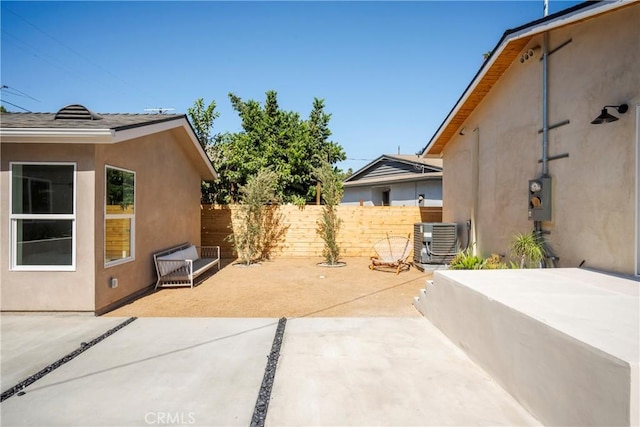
x=117, y=239
x=42, y=189
x=120, y=197
x=44, y=242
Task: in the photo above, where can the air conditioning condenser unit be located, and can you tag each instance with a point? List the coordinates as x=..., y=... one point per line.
x=435, y=242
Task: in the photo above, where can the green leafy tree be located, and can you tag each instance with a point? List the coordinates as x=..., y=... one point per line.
x=346, y=174
x=319, y=134
x=320, y=147
x=278, y=139
x=202, y=119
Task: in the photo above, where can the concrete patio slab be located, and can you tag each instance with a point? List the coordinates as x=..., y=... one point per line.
x=383, y=372
x=30, y=343
x=154, y=371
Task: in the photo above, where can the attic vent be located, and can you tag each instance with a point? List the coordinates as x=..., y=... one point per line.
x=76, y=112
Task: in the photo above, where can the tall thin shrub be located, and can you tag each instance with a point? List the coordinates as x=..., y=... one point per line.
x=329, y=222
x=256, y=222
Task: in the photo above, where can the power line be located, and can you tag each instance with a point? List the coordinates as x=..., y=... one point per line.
x=2, y=87
x=78, y=53
x=50, y=59
x=18, y=92
x=38, y=53
x=17, y=106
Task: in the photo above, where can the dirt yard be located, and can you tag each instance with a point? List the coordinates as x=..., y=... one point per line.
x=287, y=287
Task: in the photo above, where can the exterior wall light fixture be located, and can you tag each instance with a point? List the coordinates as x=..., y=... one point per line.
x=605, y=117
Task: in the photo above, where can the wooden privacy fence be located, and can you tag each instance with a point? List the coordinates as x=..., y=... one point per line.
x=361, y=228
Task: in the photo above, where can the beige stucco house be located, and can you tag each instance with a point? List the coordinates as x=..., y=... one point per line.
x=86, y=199
x=526, y=145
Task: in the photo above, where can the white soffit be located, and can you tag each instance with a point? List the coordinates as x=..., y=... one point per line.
x=56, y=136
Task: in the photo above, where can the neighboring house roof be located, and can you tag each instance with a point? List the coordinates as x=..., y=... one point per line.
x=508, y=49
x=76, y=124
x=394, y=168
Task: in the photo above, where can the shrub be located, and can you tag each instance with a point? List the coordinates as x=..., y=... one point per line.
x=528, y=248
x=494, y=262
x=329, y=222
x=258, y=225
x=465, y=260
x=298, y=201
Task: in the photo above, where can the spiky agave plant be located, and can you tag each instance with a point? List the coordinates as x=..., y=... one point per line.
x=528, y=248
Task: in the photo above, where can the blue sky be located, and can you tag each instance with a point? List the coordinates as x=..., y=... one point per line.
x=389, y=72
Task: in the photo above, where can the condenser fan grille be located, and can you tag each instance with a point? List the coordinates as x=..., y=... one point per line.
x=435, y=242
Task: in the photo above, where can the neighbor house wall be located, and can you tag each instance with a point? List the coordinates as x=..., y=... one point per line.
x=353, y=195
x=50, y=290
x=167, y=208
x=406, y=194
x=593, y=209
x=400, y=194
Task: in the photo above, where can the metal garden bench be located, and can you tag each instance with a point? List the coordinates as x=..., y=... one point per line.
x=181, y=265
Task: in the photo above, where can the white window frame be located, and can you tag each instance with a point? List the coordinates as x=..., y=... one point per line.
x=132, y=217
x=13, y=222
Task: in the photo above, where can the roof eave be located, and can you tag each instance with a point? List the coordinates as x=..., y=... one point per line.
x=56, y=136
x=207, y=172
x=362, y=169
x=389, y=157
x=519, y=37
x=110, y=136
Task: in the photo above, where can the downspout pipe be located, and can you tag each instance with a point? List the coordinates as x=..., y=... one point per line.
x=545, y=103
x=537, y=225
x=475, y=179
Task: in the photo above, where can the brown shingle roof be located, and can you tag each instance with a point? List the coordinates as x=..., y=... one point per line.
x=77, y=120
x=106, y=121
